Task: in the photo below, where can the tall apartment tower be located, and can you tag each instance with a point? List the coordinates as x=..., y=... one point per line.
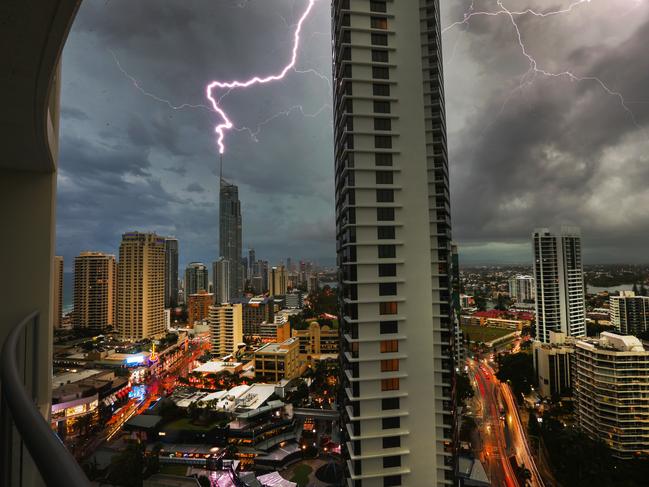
x=230, y=246
x=57, y=311
x=226, y=328
x=629, y=313
x=559, y=277
x=522, y=288
x=394, y=236
x=140, y=286
x=171, y=272
x=221, y=278
x=95, y=290
x=196, y=278
x=277, y=281
x=252, y=264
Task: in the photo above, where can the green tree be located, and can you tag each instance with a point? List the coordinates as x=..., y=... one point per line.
x=463, y=388
x=518, y=370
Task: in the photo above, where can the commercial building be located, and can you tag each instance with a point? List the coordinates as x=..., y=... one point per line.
x=559, y=279
x=393, y=243
x=198, y=306
x=552, y=362
x=57, y=311
x=196, y=278
x=222, y=281
x=95, y=290
x=277, y=361
x=316, y=339
x=277, y=332
x=257, y=310
x=629, y=313
x=171, y=272
x=230, y=224
x=294, y=299
x=140, y=288
x=226, y=328
x=522, y=289
x=611, y=392
x=277, y=281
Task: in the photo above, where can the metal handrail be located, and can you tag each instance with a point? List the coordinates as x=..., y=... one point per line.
x=57, y=466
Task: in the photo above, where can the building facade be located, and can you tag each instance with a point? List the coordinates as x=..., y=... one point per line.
x=277, y=281
x=257, y=310
x=226, y=328
x=222, y=281
x=552, y=362
x=277, y=361
x=522, y=289
x=230, y=240
x=198, y=306
x=140, y=288
x=57, y=311
x=393, y=243
x=196, y=279
x=629, y=313
x=295, y=299
x=95, y=291
x=611, y=392
x=559, y=277
x=171, y=272
x=317, y=340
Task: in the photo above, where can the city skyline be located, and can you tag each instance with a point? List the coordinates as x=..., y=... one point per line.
x=136, y=163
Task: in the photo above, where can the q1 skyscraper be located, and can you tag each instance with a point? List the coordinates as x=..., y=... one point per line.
x=230, y=245
x=394, y=239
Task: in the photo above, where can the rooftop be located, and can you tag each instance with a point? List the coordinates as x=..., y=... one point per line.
x=277, y=347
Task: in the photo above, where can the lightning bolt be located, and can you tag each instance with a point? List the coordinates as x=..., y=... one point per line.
x=534, y=68
x=254, y=133
x=227, y=124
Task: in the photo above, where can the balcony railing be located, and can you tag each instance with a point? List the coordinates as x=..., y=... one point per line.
x=22, y=425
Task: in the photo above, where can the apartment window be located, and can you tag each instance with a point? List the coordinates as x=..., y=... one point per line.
x=392, y=481
x=391, y=423
x=387, y=251
x=379, y=39
x=380, y=72
x=385, y=233
x=388, y=308
x=383, y=159
x=389, y=462
x=382, y=124
x=381, y=106
x=389, y=346
x=380, y=89
x=387, y=270
x=385, y=214
x=390, y=365
x=389, y=384
x=378, y=6
x=380, y=56
x=384, y=177
x=384, y=196
x=383, y=142
x=379, y=23
x=388, y=289
x=387, y=327
x=390, y=403
x=391, y=442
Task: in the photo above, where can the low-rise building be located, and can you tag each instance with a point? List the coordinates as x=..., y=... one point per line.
x=552, y=362
x=317, y=340
x=277, y=361
x=277, y=332
x=611, y=392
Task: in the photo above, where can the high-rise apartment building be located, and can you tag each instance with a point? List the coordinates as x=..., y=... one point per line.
x=629, y=313
x=140, y=288
x=230, y=245
x=171, y=272
x=226, y=328
x=221, y=277
x=611, y=392
x=393, y=232
x=277, y=281
x=196, y=278
x=198, y=306
x=522, y=289
x=257, y=310
x=559, y=279
x=252, y=264
x=57, y=311
x=95, y=290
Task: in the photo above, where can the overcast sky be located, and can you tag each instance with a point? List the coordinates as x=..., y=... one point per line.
x=525, y=149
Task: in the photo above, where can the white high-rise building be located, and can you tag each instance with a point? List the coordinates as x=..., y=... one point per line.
x=559, y=278
x=629, y=313
x=611, y=391
x=226, y=328
x=521, y=288
x=394, y=240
